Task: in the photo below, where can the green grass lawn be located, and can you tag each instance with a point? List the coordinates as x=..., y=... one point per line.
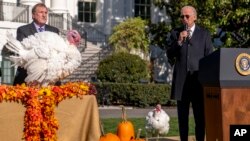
x=110, y=125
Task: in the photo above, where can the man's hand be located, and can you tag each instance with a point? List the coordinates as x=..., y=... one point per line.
x=182, y=37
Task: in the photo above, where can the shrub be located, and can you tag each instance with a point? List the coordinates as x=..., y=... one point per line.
x=128, y=94
x=130, y=34
x=122, y=68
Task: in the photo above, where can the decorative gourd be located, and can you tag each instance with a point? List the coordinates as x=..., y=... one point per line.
x=125, y=129
x=138, y=136
x=108, y=136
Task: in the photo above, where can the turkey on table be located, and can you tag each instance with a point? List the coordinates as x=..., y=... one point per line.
x=46, y=56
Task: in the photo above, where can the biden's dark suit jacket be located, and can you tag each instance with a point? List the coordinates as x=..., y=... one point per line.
x=24, y=32
x=187, y=57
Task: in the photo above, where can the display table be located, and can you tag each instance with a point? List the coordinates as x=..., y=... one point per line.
x=78, y=120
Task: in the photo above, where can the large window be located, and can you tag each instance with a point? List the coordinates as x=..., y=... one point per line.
x=87, y=11
x=142, y=9
x=7, y=72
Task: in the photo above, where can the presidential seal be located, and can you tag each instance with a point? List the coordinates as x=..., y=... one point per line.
x=242, y=64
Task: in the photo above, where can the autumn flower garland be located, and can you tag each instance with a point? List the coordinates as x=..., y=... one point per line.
x=39, y=120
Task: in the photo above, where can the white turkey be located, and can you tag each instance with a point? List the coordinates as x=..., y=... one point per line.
x=46, y=56
x=157, y=121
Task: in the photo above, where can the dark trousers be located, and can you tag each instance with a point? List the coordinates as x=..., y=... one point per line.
x=21, y=74
x=192, y=94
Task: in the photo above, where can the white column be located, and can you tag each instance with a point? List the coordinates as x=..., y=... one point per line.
x=30, y=2
x=58, y=6
x=108, y=14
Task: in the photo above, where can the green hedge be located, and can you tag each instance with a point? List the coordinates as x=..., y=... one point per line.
x=129, y=94
x=122, y=68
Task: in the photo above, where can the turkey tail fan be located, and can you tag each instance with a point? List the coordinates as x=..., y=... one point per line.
x=13, y=48
x=13, y=44
x=16, y=60
x=36, y=70
x=4, y=38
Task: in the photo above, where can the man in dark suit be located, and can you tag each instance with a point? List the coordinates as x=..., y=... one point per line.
x=189, y=44
x=39, y=16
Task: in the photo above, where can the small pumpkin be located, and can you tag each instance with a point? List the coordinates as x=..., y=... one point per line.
x=125, y=129
x=138, y=136
x=108, y=136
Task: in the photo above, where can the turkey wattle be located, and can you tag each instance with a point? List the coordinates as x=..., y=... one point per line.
x=46, y=56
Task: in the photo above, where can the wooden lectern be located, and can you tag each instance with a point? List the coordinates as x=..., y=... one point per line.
x=226, y=83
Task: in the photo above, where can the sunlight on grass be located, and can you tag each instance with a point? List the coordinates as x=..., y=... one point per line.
x=110, y=125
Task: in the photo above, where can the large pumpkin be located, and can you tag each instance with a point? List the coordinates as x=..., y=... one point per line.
x=125, y=129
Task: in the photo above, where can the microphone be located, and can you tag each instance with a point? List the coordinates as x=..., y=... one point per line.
x=187, y=38
x=186, y=28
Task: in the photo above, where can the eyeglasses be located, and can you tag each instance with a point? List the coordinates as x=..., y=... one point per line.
x=187, y=16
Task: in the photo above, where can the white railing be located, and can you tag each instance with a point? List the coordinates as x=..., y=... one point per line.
x=13, y=12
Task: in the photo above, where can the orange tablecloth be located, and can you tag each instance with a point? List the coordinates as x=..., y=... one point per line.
x=78, y=120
